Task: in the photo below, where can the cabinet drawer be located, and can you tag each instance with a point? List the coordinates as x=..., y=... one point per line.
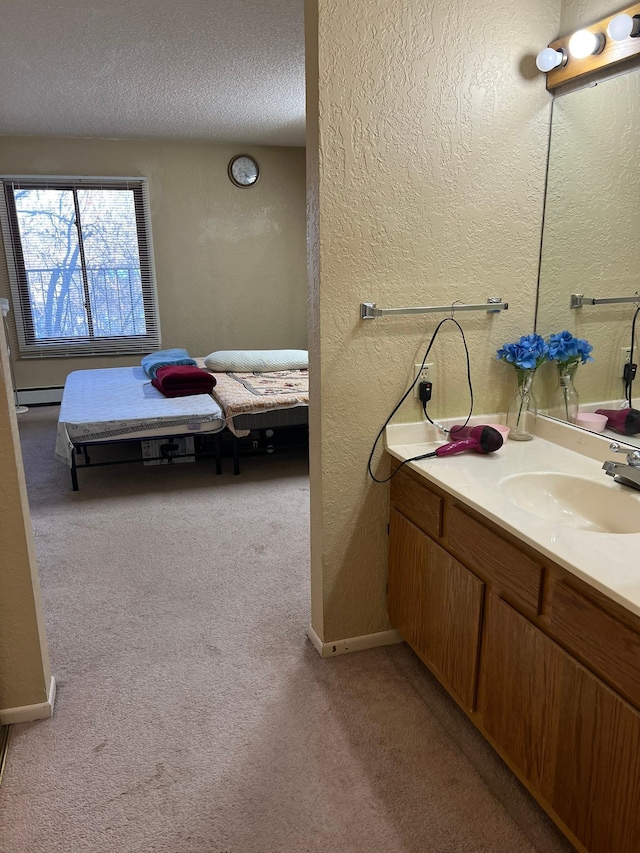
x=513, y=574
x=609, y=647
x=417, y=503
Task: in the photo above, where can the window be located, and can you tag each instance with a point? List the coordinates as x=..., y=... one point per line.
x=80, y=265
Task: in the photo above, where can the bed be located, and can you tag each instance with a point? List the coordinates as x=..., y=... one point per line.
x=261, y=400
x=119, y=404
x=261, y=390
x=255, y=390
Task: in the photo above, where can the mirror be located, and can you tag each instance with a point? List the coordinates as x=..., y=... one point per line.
x=591, y=236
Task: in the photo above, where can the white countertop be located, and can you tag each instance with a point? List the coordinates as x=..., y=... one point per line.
x=610, y=562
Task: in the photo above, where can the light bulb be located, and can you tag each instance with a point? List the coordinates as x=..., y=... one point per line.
x=548, y=59
x=585, y=43
x=622, y=26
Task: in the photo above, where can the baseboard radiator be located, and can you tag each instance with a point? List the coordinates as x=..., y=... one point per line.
x=47, y=396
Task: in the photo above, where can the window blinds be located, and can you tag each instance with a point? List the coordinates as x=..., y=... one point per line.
x=80, y=261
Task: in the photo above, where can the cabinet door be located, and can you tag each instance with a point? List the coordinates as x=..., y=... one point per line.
x=575, y=741
x=405, y=591
x=436, y=604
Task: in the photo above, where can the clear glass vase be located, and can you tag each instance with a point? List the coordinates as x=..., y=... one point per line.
x=523, y=402
x=564, y=402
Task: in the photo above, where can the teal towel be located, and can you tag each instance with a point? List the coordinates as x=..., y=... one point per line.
x=154, y=361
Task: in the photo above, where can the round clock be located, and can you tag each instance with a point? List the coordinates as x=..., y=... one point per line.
x=243, y=170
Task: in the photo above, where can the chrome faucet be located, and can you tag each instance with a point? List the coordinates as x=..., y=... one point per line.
x=627, y=475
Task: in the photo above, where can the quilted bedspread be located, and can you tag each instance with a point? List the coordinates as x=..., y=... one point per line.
x=251, y=393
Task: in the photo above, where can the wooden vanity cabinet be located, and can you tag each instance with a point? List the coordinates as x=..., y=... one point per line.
x=547, y=669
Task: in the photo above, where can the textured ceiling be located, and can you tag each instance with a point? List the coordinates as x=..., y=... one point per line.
x=180, y=69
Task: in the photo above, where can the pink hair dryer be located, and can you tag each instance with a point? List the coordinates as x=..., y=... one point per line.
x=624, y=421
x=481, y=439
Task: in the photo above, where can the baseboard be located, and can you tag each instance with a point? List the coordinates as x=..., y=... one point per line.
x=29, y=713
x=40, y=396
x=354, y=644
x=5, y=737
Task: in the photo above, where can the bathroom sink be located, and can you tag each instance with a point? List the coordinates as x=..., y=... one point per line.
x=575, y=501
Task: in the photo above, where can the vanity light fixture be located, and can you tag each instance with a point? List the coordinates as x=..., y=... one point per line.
x=607, y=42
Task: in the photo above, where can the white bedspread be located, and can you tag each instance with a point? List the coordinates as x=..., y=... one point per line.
x=119, y=402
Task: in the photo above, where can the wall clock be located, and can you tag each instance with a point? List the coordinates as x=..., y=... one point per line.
x=243, y=170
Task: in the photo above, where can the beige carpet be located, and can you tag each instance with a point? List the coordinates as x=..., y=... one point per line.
x=193, y=715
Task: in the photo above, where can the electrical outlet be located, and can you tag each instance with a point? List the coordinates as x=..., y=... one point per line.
x=625, y=355
x=423, y=374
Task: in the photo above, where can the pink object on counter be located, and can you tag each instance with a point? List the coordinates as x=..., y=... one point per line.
x=592, y=421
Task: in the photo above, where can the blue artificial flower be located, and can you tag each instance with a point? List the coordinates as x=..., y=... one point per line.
x=528, y=353
x=566, y=349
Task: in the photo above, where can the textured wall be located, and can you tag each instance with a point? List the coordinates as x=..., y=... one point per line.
x=592, y=222
x=583, y=13
x=24, y=663
x=313, y=272
x=230, y=263
x=430, y=159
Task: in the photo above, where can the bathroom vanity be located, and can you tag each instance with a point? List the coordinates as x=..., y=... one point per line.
x=530, y=618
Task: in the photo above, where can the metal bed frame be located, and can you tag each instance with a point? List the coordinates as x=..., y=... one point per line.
x=168, y=456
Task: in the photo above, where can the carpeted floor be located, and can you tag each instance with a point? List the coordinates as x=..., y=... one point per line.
x=193, y=715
